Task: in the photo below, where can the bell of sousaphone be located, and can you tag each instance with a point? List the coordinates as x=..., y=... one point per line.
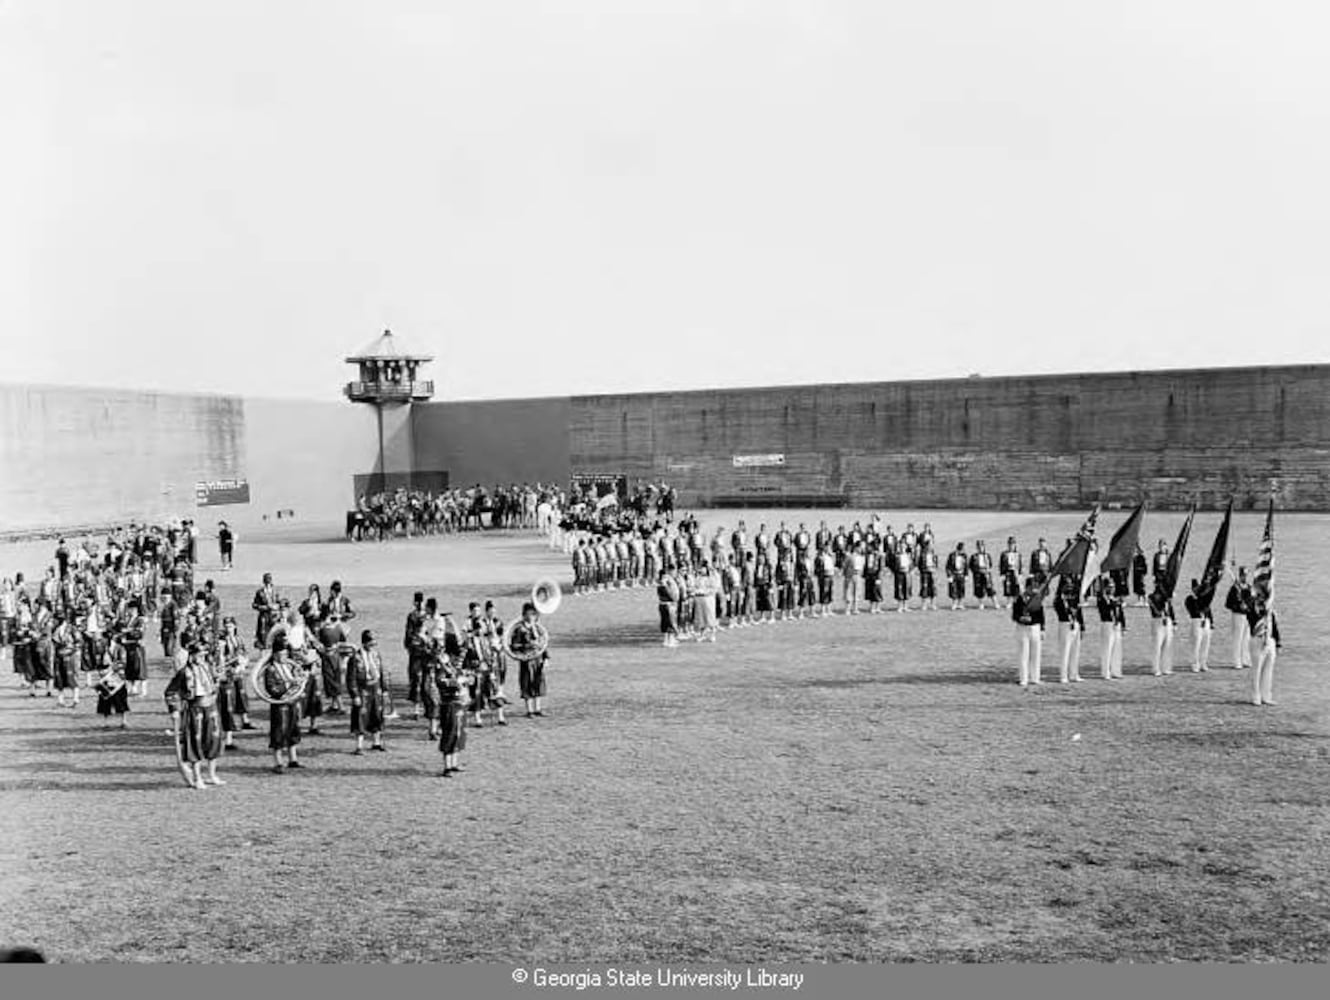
x=546, y=596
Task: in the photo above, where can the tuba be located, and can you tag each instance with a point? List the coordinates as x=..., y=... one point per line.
x=294, y=691
x=532, y=652
x=546, y=595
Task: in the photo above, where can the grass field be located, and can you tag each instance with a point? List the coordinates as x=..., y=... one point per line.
x=871, y=788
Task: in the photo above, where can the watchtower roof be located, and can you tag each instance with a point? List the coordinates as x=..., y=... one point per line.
x=386, y=347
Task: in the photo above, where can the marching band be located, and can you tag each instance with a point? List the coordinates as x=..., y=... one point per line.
x=86, y=625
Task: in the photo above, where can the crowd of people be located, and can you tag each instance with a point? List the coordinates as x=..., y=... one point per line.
x=84, y=624
x=729, y=581
x=410, y=512
x=87, y=628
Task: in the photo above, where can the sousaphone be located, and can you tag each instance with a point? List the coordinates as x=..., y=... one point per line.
x=294, y=691
x=546, y=595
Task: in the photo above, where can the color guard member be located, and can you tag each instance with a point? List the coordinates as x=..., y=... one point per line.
x=1071, y=623
x=1202, y=627
x=1266, y=642
x=1239, y=604
x=1112, y=618
x=1027, y=611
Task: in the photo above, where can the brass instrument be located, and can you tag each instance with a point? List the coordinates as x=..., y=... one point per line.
x=533, y=652
x=295, y=690
x=546, y=595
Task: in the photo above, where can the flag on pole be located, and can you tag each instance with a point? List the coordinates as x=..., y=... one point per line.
x=1071, y=562
x=1263, y=583
x=1123, y=546
x=1214, y=566
x=1092, y=570
x=1169, y=581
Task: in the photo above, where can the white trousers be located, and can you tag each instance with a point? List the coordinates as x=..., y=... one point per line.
x=1071, y=653
x=1202, y=633
x=1032, y=648
x=1264, y=655
x=1241, y=642
x=1163, y=647
x=1111, y=661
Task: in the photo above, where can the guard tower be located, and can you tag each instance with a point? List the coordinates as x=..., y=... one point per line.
x=389, y=382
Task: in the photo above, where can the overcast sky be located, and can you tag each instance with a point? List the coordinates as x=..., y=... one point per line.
x=583, y=197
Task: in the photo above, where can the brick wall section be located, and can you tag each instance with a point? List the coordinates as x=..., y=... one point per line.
x=1007, y=443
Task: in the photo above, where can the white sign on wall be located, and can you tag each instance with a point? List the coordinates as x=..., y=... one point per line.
x=753, y=461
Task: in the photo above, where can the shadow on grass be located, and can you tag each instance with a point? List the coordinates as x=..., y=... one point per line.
x=633, y=634
x=165, y=781
x=954, y=677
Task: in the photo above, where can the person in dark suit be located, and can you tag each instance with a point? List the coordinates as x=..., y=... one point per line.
x=1027, y=611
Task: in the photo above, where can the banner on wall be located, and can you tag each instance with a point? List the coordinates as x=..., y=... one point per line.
x=757, y=461
x=221, y=491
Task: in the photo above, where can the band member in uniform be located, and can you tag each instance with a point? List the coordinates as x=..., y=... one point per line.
x=43, y=647
x=1265, y=638
x=1041, y=562
x=337, y=604
x=763, y=584
x=68, y=660
x=333, y=643
x=981, y=569
x=232, y=700
x=1071, y=623
x=1160, y=565
x=532, y=673
x=112, y=691
x=136, y=660
x=1112, y=619
x=279, y=678
x=440, y=645
x=957, y=566
x=927, y=576
x=494, y=628
x=1140, y=566
x=191, y=698
x=311, y=609
x=705, y=603
x=825, y=566
x=1202, y=627
x=1010, y=567
x=854, y=576
x=873, y=570
x=667, y=597
x=1027, y=611
x=806, y=574
x=367, y=687
x=266, y=604
x=1239, y=604
x=170, y=630
x=452, y=695
x=785, y=593
x=413, y=641
x=901, y=567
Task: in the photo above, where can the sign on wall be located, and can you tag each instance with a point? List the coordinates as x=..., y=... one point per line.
x=221, y=491
x=755, y=461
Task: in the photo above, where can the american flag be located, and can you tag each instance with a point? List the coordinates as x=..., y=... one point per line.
x=1073, y=558
x=1263, y=583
